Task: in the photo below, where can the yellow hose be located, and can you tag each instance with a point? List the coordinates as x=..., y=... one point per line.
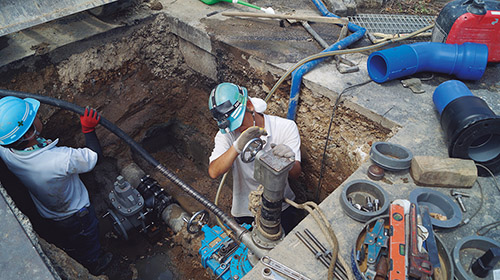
x=216, y=202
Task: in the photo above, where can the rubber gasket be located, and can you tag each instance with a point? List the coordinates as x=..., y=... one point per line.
x=391, y=157
x=369, y=188
x=437, y=203
x=473, y=242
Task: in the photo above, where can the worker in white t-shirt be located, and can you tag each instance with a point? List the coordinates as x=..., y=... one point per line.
x=240, y=119
x=50, y=173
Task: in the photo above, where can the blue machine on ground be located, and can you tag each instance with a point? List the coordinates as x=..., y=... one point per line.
x=227, y=258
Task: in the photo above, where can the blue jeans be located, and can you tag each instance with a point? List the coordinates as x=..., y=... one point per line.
x=79, y=236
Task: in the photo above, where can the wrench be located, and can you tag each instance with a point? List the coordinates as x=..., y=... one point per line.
x=270, y=274
x=281, y=268
x=225, y=266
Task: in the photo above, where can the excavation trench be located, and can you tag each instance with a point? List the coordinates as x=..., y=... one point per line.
x=142, y=83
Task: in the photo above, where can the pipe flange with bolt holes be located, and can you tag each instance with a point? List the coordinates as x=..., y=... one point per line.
x=391, y=157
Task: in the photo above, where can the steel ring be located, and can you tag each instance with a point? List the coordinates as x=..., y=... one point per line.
x=368, y=188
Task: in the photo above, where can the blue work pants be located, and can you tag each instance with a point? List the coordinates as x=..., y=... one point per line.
x=79, y=236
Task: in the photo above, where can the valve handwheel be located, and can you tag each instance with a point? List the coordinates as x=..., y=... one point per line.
x=251, y=149
x=197, y=221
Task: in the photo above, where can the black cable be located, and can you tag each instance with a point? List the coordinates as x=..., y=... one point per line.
x=490, y=226
x=466, y=221
x=491, y=174
x=337, y=101
x=482, y=230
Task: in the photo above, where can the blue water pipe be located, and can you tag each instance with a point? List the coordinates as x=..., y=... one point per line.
x=358, y=33
x=447, y=92
x=467, y=61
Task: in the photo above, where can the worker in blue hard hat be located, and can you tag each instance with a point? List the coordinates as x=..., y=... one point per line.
x=241, y=118
x=50, y=173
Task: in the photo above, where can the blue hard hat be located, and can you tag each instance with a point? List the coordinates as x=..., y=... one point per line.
x=16, y=117
x=227, y=103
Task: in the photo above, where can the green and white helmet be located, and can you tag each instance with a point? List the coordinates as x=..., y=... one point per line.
x=227, y=103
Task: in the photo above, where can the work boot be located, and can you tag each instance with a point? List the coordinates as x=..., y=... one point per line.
x=101, y=264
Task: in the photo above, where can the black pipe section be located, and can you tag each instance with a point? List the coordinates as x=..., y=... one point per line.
x=270, y=216
x=155, y=197
x=473, y=132
x=231, y=223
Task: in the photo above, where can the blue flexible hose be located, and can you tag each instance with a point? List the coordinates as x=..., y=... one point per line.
x=358, y=33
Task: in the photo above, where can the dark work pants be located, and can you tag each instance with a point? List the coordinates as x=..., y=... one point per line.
x=289, y=218
x=78, y=236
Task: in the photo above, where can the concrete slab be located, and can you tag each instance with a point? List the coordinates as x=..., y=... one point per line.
x=44, y=38
x=15, y=16
x=19, y=258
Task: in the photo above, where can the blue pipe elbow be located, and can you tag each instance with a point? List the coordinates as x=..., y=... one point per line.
x=358, y=33
x=447, y=92
x=467, y=61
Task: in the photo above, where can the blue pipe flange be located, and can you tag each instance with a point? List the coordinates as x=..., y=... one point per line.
x=470, y=242
x=391, y=157
x=364, y=189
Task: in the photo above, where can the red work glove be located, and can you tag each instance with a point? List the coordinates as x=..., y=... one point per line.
x=89, y=120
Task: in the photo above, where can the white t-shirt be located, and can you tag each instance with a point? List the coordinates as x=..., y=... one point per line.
x=51, y=176
x=279, y=131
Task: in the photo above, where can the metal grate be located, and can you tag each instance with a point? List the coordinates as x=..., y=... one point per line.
x=391, y=24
